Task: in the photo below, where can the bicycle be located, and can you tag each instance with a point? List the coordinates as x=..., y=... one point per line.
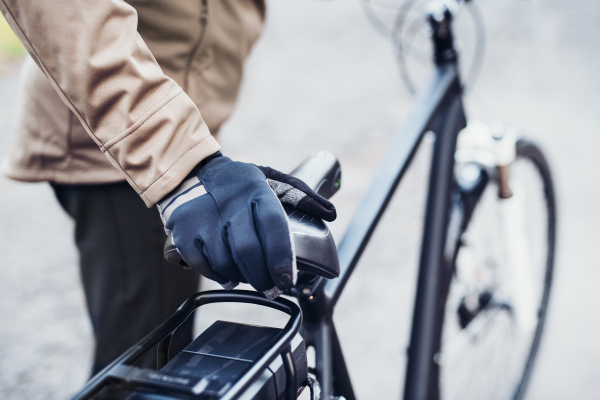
x=473, y=290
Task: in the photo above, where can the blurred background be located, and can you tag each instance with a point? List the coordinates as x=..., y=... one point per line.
x=324, y=75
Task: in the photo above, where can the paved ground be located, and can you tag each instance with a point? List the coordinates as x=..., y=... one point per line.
x=322, y=78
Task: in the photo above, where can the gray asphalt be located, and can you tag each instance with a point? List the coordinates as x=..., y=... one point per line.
x=322, y=78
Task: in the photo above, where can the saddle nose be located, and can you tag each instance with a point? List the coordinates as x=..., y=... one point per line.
x=316, y=252
x=315, y=248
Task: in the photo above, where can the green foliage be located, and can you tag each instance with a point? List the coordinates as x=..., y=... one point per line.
x=10, y=47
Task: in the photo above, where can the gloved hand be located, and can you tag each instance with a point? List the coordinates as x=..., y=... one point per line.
x=228, y=223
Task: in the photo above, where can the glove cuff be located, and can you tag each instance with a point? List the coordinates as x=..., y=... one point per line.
x=190, y=188
x=193, y=174
x=186, y=191
x=205, y=161
x=273, y=293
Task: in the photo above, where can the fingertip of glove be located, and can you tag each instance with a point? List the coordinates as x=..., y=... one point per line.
x=313, y=207
x=331, y=215
x=283, y=276
x=273, y=293
x=229, y=285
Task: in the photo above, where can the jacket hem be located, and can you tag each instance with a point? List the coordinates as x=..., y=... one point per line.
x=65, y=177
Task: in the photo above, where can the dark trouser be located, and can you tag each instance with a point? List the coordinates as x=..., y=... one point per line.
x=130, y=289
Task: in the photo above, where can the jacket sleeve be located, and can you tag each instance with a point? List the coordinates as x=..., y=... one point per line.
x=95, y=59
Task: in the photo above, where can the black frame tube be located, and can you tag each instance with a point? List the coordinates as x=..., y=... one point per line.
x=435, y=110
x=434, y=273
x=444, y=85
x=342, y=385
x=438, y=108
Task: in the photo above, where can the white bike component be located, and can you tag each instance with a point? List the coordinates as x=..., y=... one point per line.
x=517, y=257
x=495, y=148
x=478, y=143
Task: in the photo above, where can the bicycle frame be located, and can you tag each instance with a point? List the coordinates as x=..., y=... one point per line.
x=438, y=108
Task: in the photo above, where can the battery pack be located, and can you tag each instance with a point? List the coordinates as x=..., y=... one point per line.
x=210, y=365
x=226, y=350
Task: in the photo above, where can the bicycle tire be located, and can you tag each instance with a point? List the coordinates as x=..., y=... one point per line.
x=482, y=369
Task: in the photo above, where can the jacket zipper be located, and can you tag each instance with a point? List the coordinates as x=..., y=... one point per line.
x=194, y=52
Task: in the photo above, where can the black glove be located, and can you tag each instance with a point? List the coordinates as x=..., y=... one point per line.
x=227, y=222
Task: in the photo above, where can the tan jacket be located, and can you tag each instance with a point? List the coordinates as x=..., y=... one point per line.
x=124, y=94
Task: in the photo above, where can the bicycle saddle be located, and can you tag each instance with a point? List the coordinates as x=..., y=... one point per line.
x=315, y=248
x=316, y=252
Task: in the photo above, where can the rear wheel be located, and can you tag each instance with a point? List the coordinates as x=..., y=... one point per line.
x=494, y=312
